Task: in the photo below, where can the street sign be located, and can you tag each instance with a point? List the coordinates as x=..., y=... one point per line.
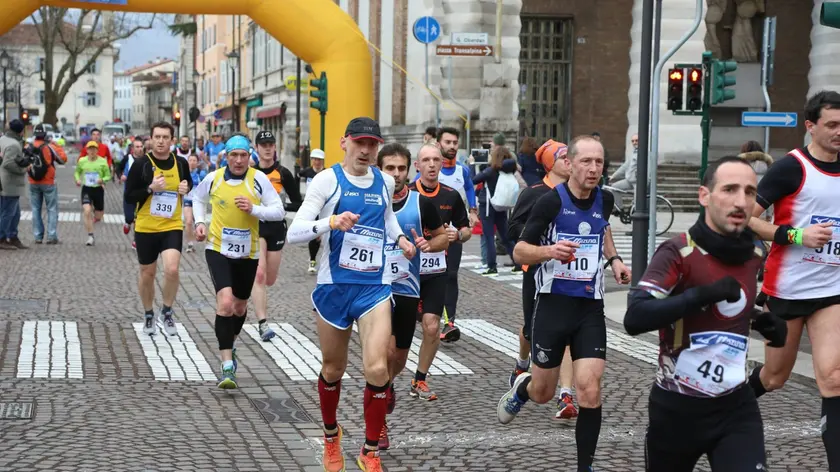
x=426, y=29
x=291, y=83
x=772, y=119
x=481, y=51
x=470, y=39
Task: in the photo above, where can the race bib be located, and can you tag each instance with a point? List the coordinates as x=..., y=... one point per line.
x=587, y=257
x=715, y=363
x=236, y=243
x=396, y=265
x=362, y=249
x=91, y=179
x=432, y=262
x=163, y=204
x=830, y=253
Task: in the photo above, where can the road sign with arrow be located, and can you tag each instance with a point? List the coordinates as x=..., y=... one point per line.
x=474, y=50
x=769, y=119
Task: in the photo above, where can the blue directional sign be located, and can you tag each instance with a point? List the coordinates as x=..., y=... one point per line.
x=426, y=29
x=769, y=119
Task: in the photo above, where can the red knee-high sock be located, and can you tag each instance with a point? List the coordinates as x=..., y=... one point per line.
x=328, y=393
x=376, y=407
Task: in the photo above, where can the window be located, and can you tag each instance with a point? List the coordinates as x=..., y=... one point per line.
x=225, y=71
x=41, y=97
x=90, y=99
x=93, y=69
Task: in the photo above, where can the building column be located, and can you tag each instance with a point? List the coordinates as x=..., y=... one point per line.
x=825, y=47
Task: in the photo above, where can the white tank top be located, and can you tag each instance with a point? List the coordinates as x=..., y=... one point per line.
x=456, y=181
x=797, y=272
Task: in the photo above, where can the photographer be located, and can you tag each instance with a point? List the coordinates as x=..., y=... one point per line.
x=13, y=179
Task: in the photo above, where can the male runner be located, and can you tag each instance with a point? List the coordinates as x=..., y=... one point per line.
x=566, y=233
x=434, y=280
x=130, y=209
x=697, y=292
x=156, y=184
x=103, y=149
x=349, y=206
x=802, y=272
x=272, y=233
x=240, y=197
x=416, y=213
x=316, y=160
x=456, y=176
x=197, y=174
x=184, y=149
x=91, y=174
x=552, y=156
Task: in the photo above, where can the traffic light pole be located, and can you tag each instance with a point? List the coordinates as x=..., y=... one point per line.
x=706, y=121
x=323, y=127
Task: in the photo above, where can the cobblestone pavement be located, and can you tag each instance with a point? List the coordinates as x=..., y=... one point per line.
x=100, y=397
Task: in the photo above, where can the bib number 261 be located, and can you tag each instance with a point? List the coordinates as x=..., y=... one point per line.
x=361, y=255
x=715, y=371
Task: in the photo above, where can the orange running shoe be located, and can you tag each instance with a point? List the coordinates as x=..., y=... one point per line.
x=565, y=407
x=421, y=390
x=384, y=442
x=333, y=458
x=369, y=461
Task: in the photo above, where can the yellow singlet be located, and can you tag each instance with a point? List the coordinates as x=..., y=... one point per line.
x=162, y=210
x=233, y=233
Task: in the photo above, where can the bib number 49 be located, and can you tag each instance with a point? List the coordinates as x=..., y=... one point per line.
x=707, y=369
x=363, y=255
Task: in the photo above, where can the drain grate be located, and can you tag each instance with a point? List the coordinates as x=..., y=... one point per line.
x=23, y=306
x=281, y=410
x=17, y=410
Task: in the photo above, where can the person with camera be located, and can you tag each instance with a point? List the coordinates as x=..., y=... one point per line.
x=42, y=187
x=13, y=181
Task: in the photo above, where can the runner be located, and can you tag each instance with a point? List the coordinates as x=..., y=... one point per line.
x=552, y=156
x=272, y=233
x=567, y=235
x=415, y=212
x=698, y=291
x=316, y=165
x=156, y=184
x=802, y=273
x=240, y=197
x=433, y=269
x=185, y=148
x=91, y=174
x=103, y=149
x=130, y=209
x=349, y=205
x=197, y=174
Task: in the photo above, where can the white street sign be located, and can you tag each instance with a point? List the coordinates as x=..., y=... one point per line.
x=470, y=39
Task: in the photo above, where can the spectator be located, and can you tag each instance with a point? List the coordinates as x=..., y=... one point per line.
x=13, y=179
x=212, y=150
x=753, y=153
x=606, y=171
x=501, y=160
x=430, y=135
x=532, y=171
x=627, y=171
x=44, y=191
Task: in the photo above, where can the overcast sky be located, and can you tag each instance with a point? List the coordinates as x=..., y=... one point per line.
x=145, y=45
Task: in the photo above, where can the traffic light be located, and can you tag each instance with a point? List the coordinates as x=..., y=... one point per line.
x=830, y=14
x=176, y=119
x=319, y=93
x=675, y=89
x=722, y=80
x=24, y=116
x=695, y=89
x=194, y=114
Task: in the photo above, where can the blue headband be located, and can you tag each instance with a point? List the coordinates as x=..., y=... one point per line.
x=237, y=143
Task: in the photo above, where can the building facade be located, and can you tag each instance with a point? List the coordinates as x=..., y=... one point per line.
x=147, y=100
x=122, y=97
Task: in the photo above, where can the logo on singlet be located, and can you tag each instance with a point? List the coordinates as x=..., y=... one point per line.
x=584, y=228
x=731, y=310
x=350, y=193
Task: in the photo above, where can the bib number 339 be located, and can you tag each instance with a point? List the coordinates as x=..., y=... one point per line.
x=715, y=363
x=362, y=249
x=163, y=204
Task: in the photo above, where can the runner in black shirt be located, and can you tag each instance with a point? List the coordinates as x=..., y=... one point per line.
x=316, y=161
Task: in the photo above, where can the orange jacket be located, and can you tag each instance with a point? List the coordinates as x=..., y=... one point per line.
x=49, y=151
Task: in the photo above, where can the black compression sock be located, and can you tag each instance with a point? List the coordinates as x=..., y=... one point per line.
x=239, y=322
x=150, y=313
x=755, y=382
x=586, y=436
x=166, y=309
x=419, y=376
x=225, y=331
x=261, y=322
x=522, y=390
x=830, y=426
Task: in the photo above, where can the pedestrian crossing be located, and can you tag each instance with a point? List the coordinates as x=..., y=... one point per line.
x=74, y=217
x=53, y=350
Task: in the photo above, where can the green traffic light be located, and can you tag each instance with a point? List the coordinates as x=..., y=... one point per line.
x=720, y=69
x=319, y=93
x=830, y=14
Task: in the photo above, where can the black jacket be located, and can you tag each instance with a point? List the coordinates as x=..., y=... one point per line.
x=142, y=173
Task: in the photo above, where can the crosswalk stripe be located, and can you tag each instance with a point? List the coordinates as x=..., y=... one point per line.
x=502, y=340
x=442, y=365
x=50, y=349
x=293, y=352
x=75, y=217
x=173, y=357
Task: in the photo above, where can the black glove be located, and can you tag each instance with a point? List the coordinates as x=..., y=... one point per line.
x=773, y=328
x=761, y=299
x=726, y=288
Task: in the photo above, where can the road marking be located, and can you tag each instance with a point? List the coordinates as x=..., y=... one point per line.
x=174, y=357
x=442, y=365
x=502, y=340
x=293, y=352
x=75, y=217
x=50, y=350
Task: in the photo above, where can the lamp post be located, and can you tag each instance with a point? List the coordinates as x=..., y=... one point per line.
x=5, y=62
x=19, y=78
x=234, y=56
x=195, y=76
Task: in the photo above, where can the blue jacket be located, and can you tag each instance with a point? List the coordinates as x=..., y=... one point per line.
x=532, y=171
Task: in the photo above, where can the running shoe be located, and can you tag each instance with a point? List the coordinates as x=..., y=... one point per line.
x=266, y=333
x=421, y=390
x=89, y=241
x=168, y=323
x=235, y=359
x=384, y=442
x=312, y=268
x=509, y=404
x=228, y=381
x=369, y=461
x=516, y=373
x=517, y=269
x=149, y=326
x=333, y=458
x=450, y=333
x=565, y=407
x=391, y=396
x=490, y=272
x=133, y=245
x=190, y=247
x=126, y=228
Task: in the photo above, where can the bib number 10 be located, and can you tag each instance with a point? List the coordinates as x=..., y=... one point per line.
x=715, y=371
x=361, y=255
x=832, y=248
x=578, y=264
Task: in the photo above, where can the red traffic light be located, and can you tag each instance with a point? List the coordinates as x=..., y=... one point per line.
x=695, y=76
x=675, y=75
x=177, y=115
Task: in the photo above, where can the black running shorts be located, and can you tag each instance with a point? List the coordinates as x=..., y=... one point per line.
x=561, y=321
x=238, y=274
x=94, y=196
x=529, y=290
x=432, y=294
x=403, y=319
x=151, y=245
x=792, y=309
x=274, y=233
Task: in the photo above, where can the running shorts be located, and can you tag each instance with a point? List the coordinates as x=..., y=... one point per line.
x=561, y=321
x=151, y=245
x=94, y=196
x=403, y=319
x=793, y=309
x=341, y=304
x=274, y=233
x=238, y=274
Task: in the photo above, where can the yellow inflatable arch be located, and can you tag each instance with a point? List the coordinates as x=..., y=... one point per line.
x=317, y=31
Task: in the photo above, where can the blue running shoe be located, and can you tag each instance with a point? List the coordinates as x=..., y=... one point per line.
x=235, y=360
x=228, y=381
x=266, y=333
x=509, y=404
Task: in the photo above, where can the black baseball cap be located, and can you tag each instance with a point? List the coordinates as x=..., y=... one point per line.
x=39, y=131
x=265, y=136
x=363, y=127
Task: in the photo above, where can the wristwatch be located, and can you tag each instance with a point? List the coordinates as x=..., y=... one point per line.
x=611, y=259
x=149, y=190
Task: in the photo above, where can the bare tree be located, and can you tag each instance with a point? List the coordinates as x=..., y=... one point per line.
x=83, y=35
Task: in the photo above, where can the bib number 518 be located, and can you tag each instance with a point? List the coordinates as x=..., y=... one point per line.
x=716, y=371
x=832, y=248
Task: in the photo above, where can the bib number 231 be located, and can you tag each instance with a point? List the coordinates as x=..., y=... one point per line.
x=236, y=243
